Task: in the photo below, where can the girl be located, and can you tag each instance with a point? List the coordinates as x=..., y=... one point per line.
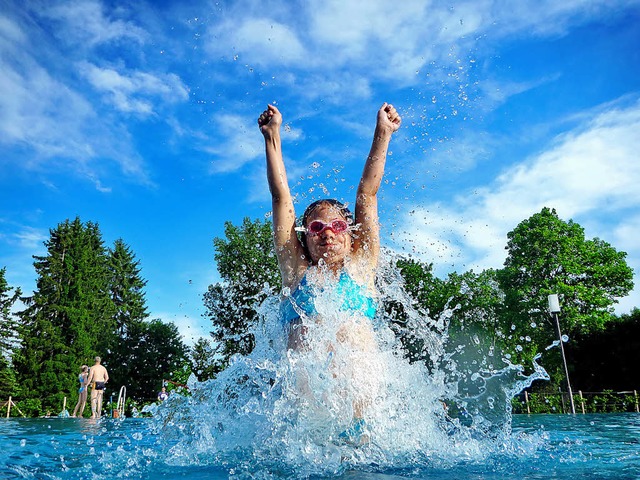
x=335, y=252
x=82, y=391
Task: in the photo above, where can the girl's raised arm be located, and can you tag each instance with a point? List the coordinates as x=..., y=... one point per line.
x=288, y=248
x=368, y=235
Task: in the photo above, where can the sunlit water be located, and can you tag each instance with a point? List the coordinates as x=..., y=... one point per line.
x=543, y=446
x=282, y=413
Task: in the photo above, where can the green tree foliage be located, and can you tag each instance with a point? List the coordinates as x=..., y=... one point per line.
x=474, y=329
x=8, y=322
x=156, y=351
x=468, y=307
x=8, y=336
x=547, y=255
x=205, y=361
x=247, y=264
x=126, y=287
x=430, y=292
x=608, y=359
x=69, y=318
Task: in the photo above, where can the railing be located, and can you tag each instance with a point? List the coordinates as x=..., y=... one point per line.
x=606, y=401
x=8, y=404
x=122, y=396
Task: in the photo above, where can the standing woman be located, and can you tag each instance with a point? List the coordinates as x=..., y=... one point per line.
x=82, y=391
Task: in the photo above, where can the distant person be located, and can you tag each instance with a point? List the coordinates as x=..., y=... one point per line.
x=82, y=391
x=163, y=395
x=98, y=377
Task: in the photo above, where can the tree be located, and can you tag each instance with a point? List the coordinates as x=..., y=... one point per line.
x=547, y=255
x=69, y=318
x=126, y=287
x=8, y=323
x=8, y=336
x=205, y=361
x=247, y=264
x=464, y=306
x=156, y=350
x=608, y=360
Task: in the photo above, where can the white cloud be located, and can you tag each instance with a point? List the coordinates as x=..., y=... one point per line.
x=392, y=40
x=29, y=238
x=258, y=41
x=47, y=117
x=237, y=141
x=589, y=175
x=130, y=91
x=85, y=23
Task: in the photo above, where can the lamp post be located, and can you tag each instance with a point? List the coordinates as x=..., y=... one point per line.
x=554, y=309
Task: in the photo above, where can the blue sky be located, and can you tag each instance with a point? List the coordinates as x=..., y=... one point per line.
x=141, y=116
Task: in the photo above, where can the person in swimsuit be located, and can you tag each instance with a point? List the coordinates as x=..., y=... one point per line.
x=98, y=377
x=82, y=391
x=335, y=250
x=163, y=395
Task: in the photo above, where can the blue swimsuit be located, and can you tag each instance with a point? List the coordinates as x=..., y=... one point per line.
x=355, y=298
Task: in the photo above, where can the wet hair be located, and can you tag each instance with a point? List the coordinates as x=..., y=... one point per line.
x=341, y=207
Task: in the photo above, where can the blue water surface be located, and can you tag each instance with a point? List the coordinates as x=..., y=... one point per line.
x=544, y=446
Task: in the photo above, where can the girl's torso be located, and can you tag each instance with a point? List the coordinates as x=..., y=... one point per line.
x=351, y=296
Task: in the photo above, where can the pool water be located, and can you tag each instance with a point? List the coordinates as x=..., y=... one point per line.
x=539, y=446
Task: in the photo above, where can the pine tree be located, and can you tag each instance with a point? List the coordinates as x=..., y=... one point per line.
x=8, y=336
x=126, y=287
x=69, y=318
x=8, y=323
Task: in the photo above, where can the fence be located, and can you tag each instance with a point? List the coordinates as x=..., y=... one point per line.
x=606, y=401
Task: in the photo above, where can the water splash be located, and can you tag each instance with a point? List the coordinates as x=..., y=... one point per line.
x=351, y=398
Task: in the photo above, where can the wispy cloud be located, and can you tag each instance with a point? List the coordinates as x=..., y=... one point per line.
x=48, y=115
x=86, y=24
x=589, y=175
x=133, y=92
x=258, y=41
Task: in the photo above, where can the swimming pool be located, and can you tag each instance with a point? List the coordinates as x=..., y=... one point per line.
x=545, y=446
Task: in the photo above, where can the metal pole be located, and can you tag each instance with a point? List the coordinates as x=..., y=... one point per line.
x=564, y=361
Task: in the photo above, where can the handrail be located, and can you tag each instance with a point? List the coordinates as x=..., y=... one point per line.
x=122, y=396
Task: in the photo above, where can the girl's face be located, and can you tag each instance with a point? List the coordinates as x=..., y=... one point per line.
x=330, y=246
